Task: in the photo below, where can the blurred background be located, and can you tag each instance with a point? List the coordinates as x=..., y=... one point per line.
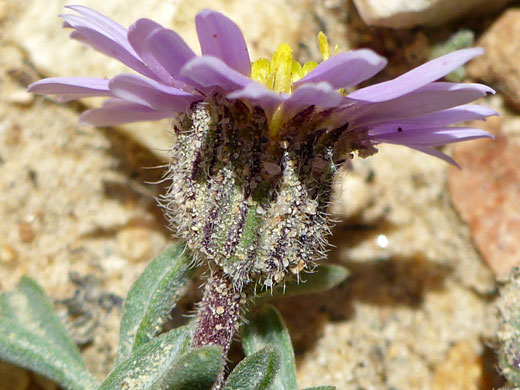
x=426, y=244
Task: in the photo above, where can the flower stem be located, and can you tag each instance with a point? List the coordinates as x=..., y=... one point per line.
x=218, y=317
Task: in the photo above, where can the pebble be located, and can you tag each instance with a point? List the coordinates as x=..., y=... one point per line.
x=21, y=97
x=499, y=64
x=8, y=254
x=26, y=232
x=405, y=13
x=460, y=370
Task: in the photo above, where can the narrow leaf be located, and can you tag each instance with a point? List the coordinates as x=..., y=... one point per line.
x=198, y=369
x=148, y=366
x=266, y=328
x=32, y=351
x=28, y=306
x=327, y=276
x=152, y=297
x=256, y=372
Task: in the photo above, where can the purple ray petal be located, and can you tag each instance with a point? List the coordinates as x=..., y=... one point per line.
x=346, y=69
x=102, y=22
x=116, y=112
x=258, y=95
x=138, y=35
x=435, y=153
x=428, y=99
x=208, y=72
x=416, y=78
x=320, y=95
x=150, y=93
x=220, y=37
x=170, y=50
x=85, y=24
x=70, y=88
x=436, y=119
x=107, y=43
x=431, y=137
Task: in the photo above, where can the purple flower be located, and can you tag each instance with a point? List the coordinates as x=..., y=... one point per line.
x=414, y=109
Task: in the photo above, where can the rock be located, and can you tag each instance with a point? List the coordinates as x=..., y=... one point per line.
x=404, y=13
x=485, y=193
x=26, y=232
x=499, y=64
x=21, y=97
x=8, y=254
x=462, y=369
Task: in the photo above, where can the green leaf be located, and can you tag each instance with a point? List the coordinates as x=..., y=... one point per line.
x=152, y=297
x=256, y=372
x=321, y=388
x=32, y=336
x=29, y=307
x=26, y=349
x=198, y=369
x=149, y=365
x=327, y=276
x=266, y=328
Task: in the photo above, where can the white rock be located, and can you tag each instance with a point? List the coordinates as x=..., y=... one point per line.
x=20, y=97
x=409, y=13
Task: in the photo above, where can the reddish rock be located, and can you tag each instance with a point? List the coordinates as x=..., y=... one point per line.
x=26, y=232
x=486, y=193
x=499, y=66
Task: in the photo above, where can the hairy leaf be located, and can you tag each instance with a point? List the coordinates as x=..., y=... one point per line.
x=198, y=369
x=152, y=297
x=28, y=306
x=256, y=372
x=326, y=276
x=150, y=365
x=26, y=349
x=32, y=336
x=266, y=328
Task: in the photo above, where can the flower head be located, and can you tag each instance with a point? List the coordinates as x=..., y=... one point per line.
x=413, y=110
x=258, y=143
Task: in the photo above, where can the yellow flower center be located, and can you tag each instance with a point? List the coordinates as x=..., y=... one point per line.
x=282, y=71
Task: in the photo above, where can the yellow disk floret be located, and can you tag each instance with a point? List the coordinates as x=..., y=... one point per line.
x=323, y=41
x=324, y=46
x=279, y=73
x=282, y=71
